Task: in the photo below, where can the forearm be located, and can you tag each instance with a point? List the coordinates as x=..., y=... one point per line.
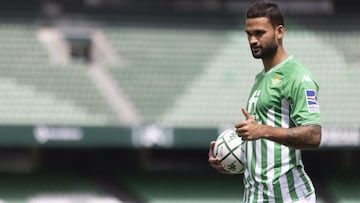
x=303, y=137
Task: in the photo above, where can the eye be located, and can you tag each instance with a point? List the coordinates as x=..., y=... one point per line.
x=259, y=33
x=256, y=33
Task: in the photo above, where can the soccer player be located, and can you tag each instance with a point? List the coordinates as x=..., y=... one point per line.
x=282, y=116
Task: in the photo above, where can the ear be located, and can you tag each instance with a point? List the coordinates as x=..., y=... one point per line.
x=280, y=31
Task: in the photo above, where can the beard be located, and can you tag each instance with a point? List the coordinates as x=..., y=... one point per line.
x=266, y=51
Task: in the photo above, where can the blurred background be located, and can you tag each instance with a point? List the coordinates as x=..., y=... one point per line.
x=113, y=101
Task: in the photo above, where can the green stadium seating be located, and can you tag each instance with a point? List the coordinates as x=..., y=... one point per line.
x=201, y=77
x=36, y=92
x=160, y=64
x=177, y=72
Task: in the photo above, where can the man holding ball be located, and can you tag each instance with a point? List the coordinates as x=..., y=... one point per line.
x=282, y=116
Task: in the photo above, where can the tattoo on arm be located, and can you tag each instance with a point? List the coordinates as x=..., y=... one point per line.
x=303, y=137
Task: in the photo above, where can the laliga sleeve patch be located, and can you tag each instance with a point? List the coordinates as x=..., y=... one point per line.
x=312, y=101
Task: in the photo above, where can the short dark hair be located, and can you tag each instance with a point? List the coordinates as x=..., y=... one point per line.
x=266, y=9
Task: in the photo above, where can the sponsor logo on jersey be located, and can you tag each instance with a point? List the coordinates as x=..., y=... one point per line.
x=312, y=101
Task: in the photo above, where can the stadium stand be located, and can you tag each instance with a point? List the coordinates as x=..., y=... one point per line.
x=173, y=60
x=203, y=92
x=37, y=92
x=191, y=75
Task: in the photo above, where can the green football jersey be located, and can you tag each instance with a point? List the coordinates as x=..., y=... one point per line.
x=285, y=96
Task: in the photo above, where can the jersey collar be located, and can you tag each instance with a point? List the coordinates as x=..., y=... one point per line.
x=278, y=65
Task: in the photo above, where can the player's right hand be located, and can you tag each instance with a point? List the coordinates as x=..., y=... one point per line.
x=215, y=161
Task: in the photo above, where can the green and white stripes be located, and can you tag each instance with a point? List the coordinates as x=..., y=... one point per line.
x=274, y=172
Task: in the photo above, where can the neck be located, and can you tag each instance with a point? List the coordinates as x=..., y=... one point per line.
x=272, y=61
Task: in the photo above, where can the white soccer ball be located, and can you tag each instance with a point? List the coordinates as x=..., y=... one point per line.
x=229, y=147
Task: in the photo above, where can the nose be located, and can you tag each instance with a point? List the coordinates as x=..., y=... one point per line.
x=252, y=40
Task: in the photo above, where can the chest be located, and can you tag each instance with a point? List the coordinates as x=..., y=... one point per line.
x=266, y=93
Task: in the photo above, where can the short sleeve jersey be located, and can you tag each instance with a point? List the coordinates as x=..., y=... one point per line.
x=286, y=96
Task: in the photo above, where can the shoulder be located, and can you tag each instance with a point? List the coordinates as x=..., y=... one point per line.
x=294, y=70
x=295, y=67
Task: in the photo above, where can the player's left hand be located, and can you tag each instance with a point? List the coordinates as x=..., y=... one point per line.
x=215, y=161
x=248, y=129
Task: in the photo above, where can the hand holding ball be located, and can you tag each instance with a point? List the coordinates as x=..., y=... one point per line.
x=229, y=148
